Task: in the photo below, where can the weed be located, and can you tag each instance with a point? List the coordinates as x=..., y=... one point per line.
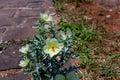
x=97, y=58
x=76, y=1
x=59, y=7
x=88, y=44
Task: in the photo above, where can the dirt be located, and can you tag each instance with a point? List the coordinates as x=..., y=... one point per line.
x=101, y=15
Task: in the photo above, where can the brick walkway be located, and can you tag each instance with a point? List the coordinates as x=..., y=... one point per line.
x=17, y=21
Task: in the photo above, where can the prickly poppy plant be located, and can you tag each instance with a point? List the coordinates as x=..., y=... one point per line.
x=46, y=53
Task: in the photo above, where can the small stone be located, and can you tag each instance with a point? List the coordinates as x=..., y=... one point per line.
x=52, y=14
x=110, y=10
x=0, y=52
x=34, y=27
x=108, y=16
x=14, y=52
x=87, y=18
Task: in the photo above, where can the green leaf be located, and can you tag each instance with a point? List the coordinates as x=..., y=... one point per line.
x=72, y=76
x=59, y=77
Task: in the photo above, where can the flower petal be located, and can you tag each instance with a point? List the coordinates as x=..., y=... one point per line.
x=46, y=17
x=52, y=47
x=23, y=63
x=24, y=49
x=68, y=33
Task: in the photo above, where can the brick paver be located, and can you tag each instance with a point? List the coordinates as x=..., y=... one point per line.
x=17, y=14
x=17, y=19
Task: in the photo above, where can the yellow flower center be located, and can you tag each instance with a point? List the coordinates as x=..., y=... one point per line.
x=53, y=48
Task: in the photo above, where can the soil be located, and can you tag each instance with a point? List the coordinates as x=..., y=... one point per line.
x=101, y=15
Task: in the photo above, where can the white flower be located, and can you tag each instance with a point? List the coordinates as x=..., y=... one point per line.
x=52, y=47
x=62, y=35
x=46, y=17
x=66, y=35
x=24, y=63
x=24, y=49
